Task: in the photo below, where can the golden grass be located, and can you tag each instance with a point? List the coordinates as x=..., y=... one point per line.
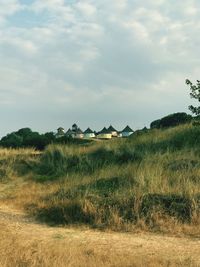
x=152, y=175
x=31, y=245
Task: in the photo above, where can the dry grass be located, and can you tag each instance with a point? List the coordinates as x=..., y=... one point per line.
x=167, y=172
x=164, y=172
x=25, y=243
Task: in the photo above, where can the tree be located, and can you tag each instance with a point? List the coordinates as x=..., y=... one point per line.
x=171, y=120
x=155, y=124
x=195, y=93
x=24, y=132
x=36, y=140
x=11, y=140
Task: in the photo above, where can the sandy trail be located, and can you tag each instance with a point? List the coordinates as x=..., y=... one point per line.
x=144, y=245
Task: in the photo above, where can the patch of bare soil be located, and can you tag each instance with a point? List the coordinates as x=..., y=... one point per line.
x=147, y=248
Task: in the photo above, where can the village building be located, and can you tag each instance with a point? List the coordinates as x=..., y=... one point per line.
x=104, y=134
x=113, y=131
x=70, y=133
x=79, y=134
x=75, y=132
x=89, y=133
x=126, y=132
x=60, y=132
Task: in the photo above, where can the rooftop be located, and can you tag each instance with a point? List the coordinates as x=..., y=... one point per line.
x=88, y=131
x=127, y=129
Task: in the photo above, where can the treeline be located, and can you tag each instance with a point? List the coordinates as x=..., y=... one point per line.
x=172, y=120
x=25, y=137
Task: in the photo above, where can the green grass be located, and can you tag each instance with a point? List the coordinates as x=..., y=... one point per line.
x=124, y=181
x=148, y=177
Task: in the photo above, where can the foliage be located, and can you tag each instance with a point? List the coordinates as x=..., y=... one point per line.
x=25, y=137
x=194, y=93
x=155, y=124
x=12, y=140
x=172, y=120
x=155, y=173
x=59, y=160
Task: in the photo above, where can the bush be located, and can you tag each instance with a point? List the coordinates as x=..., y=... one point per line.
x=155, y=124
x=96, y=203
x=127, y=154
x=12, y=141
x=172, y=120
x=59, y=160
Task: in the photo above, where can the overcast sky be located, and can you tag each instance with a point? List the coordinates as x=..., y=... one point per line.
x=95, y=62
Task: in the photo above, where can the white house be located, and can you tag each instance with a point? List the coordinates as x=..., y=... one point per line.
x=104, y=134
x=89, y=133
x=127, y=131
x=113, y=131
x=75, y=132
x=79, y=134
x=60, y=132
x=70, y=133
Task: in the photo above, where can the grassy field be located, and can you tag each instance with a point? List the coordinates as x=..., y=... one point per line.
x=148, y=183
x=26, y=243
x=150, y=180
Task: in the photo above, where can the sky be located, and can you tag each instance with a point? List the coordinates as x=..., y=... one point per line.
x=95, y=62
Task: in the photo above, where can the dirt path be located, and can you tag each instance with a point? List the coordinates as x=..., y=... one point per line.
x=142, y=245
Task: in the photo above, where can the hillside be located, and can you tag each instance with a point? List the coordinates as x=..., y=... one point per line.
x=150, y=180
x=147, y=185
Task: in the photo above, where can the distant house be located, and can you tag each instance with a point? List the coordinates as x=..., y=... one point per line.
x=104, y=134
x=127, y=131
x=113, y=131
x=70, y=133
x=75, y=132
x=89, y=133
x=78, y=134
x=60, y=132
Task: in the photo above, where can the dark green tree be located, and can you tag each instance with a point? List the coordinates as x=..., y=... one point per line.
x=194, y=93
x=24, y=132
x=11, y=140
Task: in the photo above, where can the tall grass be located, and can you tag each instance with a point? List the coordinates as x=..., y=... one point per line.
x=113, y=184
x=120, y=183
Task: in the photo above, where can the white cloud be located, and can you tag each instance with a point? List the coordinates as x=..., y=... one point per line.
x=86, y=8
x=9, y=7
x=105, y=56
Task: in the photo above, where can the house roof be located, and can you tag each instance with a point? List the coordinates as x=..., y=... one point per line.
x=79, y=131
x=69, y=131
x=60, y=128
x=104, y=131
x=88, y=131
x=112, y=129
x=127, y=129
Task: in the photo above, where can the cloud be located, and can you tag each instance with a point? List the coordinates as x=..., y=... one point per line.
x=86, y=8
x=97, y=61
x=8, y=8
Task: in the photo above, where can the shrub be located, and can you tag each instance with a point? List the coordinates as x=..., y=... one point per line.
x=12, y=141
x=127, y=154
x=95, y=204
x=155, y=124
x=172, y=120
x=180, y=207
